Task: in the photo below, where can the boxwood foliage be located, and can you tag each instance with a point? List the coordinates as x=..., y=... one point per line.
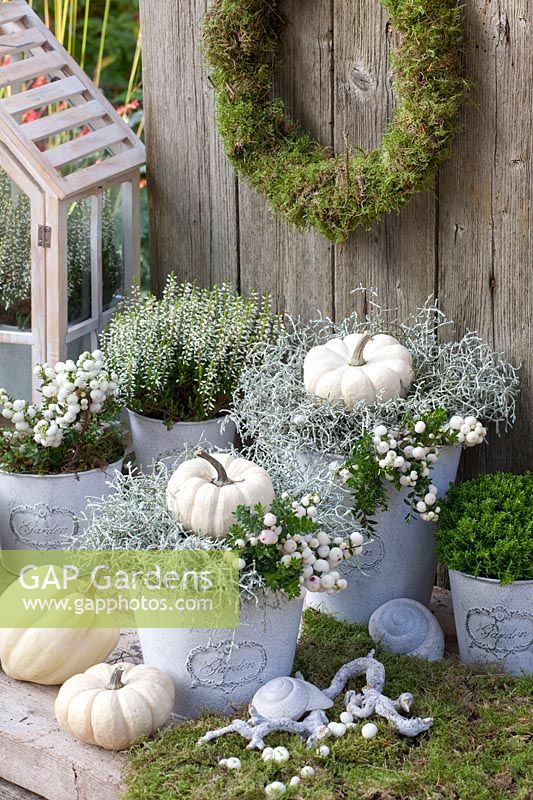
x=302, y=180
x=486, y=527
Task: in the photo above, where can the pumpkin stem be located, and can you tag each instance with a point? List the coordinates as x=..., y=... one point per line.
x=357, y=359
x=222, y=478
x=116, y=679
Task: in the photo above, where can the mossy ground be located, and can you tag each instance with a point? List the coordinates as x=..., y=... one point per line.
x=476, y=750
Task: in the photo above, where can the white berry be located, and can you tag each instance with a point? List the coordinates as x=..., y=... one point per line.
x=369, y=730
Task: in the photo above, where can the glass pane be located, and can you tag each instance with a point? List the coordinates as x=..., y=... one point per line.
x=112, y=247
x=79, y=346
x=15, y=257
x=79, y=260
x=16, y=370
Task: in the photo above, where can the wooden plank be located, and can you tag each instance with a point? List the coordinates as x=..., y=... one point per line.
x=74, y=117
x=512, y=204
x=20, y=41
x=12, y=12
x=37, y=755
x=43, y=95
x=30, y=68
x=84, y=146
x=296, y=268
x=193, y=198
x=486, y=194
x=105, y=173
x=397, y=256
x=8, y=791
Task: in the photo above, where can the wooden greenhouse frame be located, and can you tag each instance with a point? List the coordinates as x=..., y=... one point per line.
x=53, y=171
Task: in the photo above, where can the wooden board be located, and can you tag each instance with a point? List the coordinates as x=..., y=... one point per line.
x=8, y=791
x=36, y=755
x=194, y=191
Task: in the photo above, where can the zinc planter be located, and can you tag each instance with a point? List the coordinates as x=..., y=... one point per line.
x=219, y=670
x=42, y=512
x=494, y=622
x=400, y=559
x=153, y=441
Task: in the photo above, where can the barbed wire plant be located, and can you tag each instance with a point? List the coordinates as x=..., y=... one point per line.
x=464, y=376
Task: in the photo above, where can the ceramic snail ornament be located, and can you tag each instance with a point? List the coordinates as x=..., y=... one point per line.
x=112, y=706
x=49, y=655
x=288, y=698
x=406, y=627
x=359, y=367
x=204, y=491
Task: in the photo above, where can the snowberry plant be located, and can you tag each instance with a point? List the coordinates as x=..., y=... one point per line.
x=287, y=548
x=405, y=456
x=72, y=429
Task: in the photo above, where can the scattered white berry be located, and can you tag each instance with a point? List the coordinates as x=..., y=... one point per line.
x=369, y=730
x=307, y=771
x=233, y=763
x=280, y=755
x=337, y=729
x=295, y=781
x=275, y=789
x=323, y=750
x=346, y=717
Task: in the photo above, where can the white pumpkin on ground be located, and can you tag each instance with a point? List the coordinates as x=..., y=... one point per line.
x=40, y=654
x=204, y=491
x=112, y=706
x=359, y=367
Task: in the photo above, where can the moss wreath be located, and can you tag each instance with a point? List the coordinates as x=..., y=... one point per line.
x=303, y=181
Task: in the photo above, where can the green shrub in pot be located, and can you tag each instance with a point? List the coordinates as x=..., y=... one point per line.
x=485, y=537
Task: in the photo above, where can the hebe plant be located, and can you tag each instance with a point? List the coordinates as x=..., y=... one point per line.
x=486, y=527
x=181, y=356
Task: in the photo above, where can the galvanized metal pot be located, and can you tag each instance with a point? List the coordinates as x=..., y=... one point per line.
x=220, y=670
x=494, y=622
x=153, y=441
x=42, y=512
x=399, y=561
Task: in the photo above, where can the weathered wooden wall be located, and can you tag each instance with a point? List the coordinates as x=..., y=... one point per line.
x=469, y=241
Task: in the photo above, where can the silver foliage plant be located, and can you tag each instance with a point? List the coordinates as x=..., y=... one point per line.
x=181, y=356
x=464, y=376
x=135, y=516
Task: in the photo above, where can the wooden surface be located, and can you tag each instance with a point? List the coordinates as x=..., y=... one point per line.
x=8, y=791
x=469, y=240
x=37, y=756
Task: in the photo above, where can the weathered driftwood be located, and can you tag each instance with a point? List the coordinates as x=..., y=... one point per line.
x=314, y=726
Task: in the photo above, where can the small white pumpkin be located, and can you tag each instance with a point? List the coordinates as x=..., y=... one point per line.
x=204, y=492
x=113, y=705
x=359, y=367
x=49, y=655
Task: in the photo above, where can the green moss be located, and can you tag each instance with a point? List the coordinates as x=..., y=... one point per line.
x=486, y=527
x=302, y=181
x=476, y=750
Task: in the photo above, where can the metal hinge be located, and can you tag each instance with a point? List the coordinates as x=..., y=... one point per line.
x=44, y=238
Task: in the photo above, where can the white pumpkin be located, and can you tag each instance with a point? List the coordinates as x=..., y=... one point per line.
x=49, y=655
x=204, y=492
x=112, y=706
x=359, y=367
